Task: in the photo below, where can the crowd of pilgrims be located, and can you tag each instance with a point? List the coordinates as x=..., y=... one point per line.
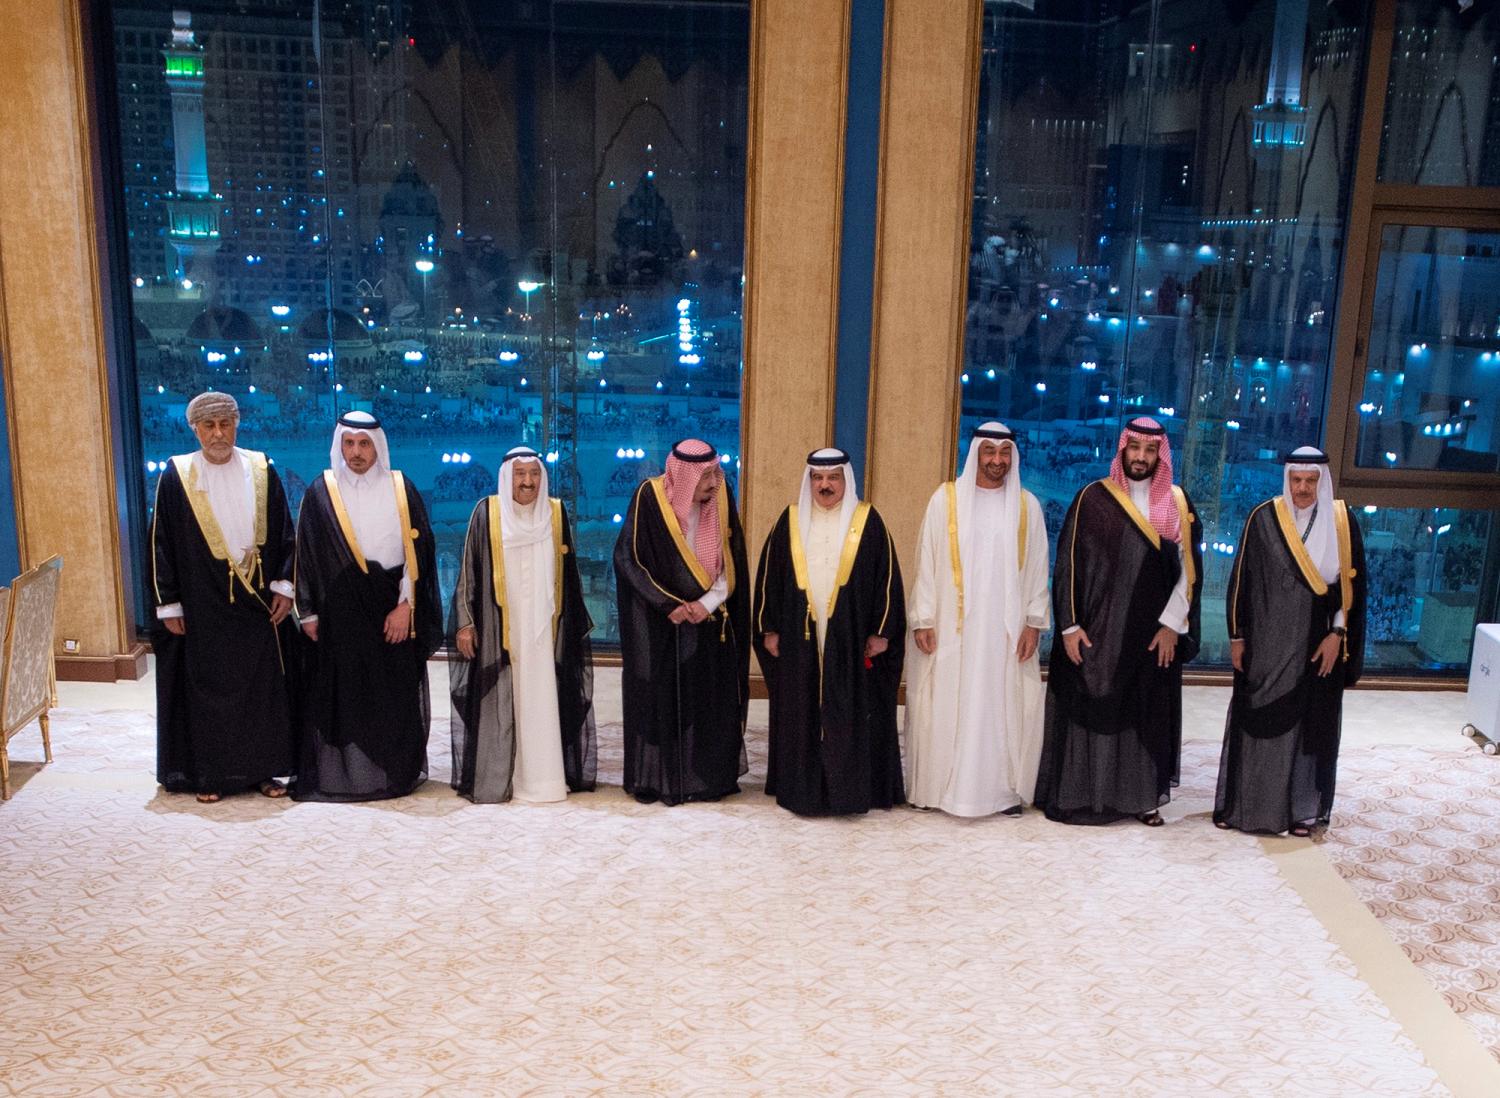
x=300, y=649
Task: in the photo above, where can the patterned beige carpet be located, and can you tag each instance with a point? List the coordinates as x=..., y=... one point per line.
x=150, y=945
x=1417, y=836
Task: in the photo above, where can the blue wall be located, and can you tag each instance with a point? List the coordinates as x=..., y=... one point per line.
x=851, y=397
x=10, y=547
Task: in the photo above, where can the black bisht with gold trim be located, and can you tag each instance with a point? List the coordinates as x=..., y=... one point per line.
x=1113, y=734
x=685, y=687
x=366, y=711
x=834, y=743
x=224, y=690
x=482, y=690
x=1281, y=740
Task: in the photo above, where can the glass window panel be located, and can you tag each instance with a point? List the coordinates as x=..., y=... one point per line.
x=488, y=223
x=1442, y=122
x=1159, y=212
x=1428, y=582
x=1432, y=373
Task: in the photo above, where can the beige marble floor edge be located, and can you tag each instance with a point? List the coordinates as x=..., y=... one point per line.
x=1453, y=1051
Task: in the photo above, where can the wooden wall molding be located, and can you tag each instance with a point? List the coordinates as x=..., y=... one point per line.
x=127, y=665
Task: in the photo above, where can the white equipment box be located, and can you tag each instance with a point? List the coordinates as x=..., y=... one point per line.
x=1484, y=688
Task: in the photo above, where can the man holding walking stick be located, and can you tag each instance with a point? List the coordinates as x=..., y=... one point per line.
x=684, y=601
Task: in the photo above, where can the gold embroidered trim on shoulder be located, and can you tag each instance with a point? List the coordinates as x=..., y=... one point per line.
x=260, y=490
x=1346, y=553
x=674, y=530
x=409, y=535
x=635, y=526
x=1298, y=550
x=203, y=513
x=1127, y=505
x=1185, y=518
x=851, y=550
x=341, y=513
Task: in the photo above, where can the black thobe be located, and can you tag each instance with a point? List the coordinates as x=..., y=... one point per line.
x=482, y=689
x=685, y=687
x=1113, y=730
x=364, y=728
x=834, y=744
x=224, y=691
x=1281, y=742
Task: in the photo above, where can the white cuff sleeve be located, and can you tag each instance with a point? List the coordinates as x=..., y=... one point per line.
x=1338, y=618
x=171, y=610
x=714, y=597
x=309, y=619
x=1178, y=623
x=1071, y=629
x=1175, y=615
x=283, y=587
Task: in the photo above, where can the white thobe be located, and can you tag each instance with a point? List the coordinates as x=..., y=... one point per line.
x=370, y=500
x=231, y=497
x=530, y=579
x=973, y=710
x=824, y=548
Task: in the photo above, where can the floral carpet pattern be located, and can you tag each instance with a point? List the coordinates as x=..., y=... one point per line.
x=1417, y=836
x=153, y=945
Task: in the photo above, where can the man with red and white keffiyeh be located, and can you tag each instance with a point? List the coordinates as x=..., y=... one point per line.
x=1125, y=594
x=684, y=604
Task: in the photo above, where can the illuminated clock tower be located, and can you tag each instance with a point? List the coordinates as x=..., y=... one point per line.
x=192, y=206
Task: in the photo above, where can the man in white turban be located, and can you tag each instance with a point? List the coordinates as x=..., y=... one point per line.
x=829, y=628
x=522, y=689
x=367, y=594
x=222, y=550
x=1296, y=614
x=978, y=607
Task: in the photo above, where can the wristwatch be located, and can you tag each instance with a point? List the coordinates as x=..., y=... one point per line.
x=1339, y=631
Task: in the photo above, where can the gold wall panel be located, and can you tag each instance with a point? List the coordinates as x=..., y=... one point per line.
x=798, y=84
x=926, y=177
x=49, y=291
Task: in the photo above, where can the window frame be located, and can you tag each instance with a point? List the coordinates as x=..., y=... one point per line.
x=1446, y=481
x=1372, y=206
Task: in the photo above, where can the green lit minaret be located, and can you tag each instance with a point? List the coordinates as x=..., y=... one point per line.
x=192, y=207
